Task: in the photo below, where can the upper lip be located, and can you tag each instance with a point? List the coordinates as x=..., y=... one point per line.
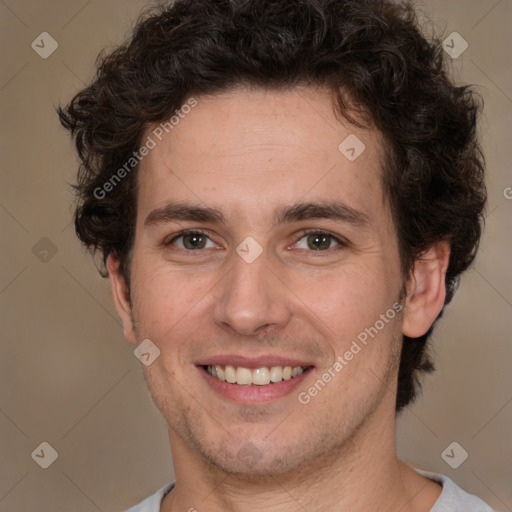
x=252, y=362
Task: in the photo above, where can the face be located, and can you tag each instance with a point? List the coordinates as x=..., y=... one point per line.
x=281, y=253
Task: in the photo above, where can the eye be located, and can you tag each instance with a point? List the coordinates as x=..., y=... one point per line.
x=313, y=240
x=319, y=241
x=191, y=240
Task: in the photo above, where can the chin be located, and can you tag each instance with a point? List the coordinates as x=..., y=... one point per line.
x=259, y=466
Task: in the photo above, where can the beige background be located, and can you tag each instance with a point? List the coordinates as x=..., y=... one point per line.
x=67, y=375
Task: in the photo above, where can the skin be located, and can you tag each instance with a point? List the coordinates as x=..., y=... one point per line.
x=248, y=152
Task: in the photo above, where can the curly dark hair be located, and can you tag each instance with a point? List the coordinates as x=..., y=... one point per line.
x=382, y=72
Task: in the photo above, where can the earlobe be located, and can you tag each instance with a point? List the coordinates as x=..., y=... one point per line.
x=121, y=296
x=426, y=290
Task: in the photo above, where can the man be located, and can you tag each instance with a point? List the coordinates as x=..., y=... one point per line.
x=285, y=194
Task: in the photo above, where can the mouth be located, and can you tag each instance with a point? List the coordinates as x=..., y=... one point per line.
x=264, y=376
x=256, y=381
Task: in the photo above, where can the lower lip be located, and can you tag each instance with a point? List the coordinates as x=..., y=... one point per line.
x=253, y=394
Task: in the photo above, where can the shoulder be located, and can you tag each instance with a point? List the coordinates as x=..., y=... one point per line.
x=152, y=503
x=453, y=498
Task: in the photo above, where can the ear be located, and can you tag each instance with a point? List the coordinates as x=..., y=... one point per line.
x=426, y=290
x=121, y=295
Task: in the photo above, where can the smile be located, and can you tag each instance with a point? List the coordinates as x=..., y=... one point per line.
x=254, y=377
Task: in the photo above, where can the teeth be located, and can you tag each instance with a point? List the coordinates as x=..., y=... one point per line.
x=261, y=376
x=220, y=372
x=243, y=376
x=276, y=374
x=230, y=374
x=258, y=377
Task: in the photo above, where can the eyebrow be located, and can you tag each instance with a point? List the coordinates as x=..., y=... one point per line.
x=333, y=210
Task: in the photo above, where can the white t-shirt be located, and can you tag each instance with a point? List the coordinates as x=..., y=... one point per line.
x=452, y=498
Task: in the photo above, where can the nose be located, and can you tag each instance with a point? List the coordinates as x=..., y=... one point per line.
x=253, y=299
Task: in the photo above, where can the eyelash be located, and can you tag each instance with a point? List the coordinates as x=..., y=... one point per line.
x=342, y=243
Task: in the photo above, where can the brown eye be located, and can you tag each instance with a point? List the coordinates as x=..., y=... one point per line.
x=191, y=241
x=194, y=241
x=318, y=241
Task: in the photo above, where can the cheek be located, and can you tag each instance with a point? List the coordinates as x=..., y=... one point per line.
x=164, y=298
x=350, y=298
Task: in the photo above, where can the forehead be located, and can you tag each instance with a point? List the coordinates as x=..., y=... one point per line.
x=248, y=149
